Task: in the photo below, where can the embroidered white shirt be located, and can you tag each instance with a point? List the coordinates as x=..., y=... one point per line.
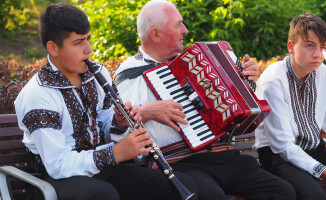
x=138, y=93
x=279, y=130
x=55, y=144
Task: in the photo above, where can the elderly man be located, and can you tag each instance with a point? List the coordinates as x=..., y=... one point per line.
x=216, y=171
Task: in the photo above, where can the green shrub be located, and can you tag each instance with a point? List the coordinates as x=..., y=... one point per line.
x=7, y=8
x=257, y=27
x=114, y=31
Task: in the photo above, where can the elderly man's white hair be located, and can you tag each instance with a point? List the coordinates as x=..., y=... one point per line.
x=152, y=15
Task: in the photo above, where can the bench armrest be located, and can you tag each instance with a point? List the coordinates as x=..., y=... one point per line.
x=46, y=188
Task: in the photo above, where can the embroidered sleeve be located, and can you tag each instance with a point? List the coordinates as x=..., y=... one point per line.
x=116, y=130
x=104, y=158
x=319, y=168
x=42, y=118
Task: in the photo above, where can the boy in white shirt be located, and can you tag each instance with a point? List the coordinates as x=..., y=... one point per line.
x=68, y=119
x=288, y=141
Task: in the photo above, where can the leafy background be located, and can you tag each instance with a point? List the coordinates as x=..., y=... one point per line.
x=258, y=28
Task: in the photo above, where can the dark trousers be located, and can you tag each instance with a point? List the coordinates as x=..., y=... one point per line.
x=305, y=185
x=127, y=182
x=229, y=172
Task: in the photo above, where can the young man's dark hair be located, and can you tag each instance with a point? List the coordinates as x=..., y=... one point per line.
x=59, y=20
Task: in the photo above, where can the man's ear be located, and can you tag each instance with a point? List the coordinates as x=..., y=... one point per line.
x=155, y=34
x=52, y=48
x=290, y=47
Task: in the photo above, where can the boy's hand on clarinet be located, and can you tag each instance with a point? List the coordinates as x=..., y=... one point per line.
x=133, y=112
x=132, y=145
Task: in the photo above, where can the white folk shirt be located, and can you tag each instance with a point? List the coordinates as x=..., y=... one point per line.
x=280, y=130
x=49, y=109
x=138, y=93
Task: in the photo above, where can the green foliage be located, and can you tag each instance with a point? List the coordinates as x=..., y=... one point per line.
x=7, y=12
x=22, y=15
x=34, y=53
x=258, y=27
x=113, y=27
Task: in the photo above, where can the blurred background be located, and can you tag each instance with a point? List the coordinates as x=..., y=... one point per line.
x=258, y=28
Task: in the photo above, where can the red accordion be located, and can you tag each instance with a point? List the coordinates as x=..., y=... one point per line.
x=216, y=98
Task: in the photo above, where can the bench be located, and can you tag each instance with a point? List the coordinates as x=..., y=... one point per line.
x=14, y=178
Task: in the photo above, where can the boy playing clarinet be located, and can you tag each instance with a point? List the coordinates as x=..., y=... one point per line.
x=67, y=120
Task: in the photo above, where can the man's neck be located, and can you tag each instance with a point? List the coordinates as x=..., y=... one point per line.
x=155, y=53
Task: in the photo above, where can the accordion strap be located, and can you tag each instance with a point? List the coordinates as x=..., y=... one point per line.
x=132, y=73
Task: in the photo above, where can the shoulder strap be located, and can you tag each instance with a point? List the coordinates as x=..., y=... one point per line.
x=132, y=73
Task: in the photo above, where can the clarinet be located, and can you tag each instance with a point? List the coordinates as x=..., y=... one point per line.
x=155, y=151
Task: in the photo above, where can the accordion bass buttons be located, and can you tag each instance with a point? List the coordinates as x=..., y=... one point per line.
x=193, y=97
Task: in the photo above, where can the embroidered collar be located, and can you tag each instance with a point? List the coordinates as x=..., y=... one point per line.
x=50, y=76
x=140, y=55
x=295, y=77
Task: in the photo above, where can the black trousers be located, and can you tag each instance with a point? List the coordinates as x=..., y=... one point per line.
x=305, y=185
x=129, y=182
x=228, y=172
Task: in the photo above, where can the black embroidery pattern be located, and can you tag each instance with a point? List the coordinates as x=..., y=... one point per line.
x=90, y=100
x=48, y=77
x=52, y=78
x=78, y=117
x=42, y=118
x=104, y=158
x=304, y=111
x=114, y=129
x=319, y=168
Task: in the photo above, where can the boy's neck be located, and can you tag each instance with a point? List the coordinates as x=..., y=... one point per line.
x=301, y=74
x=76, y=81
x=74, y=78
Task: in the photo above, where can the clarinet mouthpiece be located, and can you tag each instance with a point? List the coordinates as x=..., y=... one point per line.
x=89, y=63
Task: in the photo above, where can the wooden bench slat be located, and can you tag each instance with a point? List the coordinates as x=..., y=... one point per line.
x=244, y=144
x=10, y=132
x=8, y=159
x=245, y=136
x=8, y=118
x=11, y=145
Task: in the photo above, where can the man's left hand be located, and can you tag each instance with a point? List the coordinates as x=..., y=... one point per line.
x=250, y=68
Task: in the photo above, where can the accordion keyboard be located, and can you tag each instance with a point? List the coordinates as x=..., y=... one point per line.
x=167, y=87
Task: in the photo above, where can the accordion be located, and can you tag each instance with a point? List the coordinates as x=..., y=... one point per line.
x=216, y=98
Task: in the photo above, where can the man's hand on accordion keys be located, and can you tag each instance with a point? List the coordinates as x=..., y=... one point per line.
x=166, y=112
x=250, y=68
